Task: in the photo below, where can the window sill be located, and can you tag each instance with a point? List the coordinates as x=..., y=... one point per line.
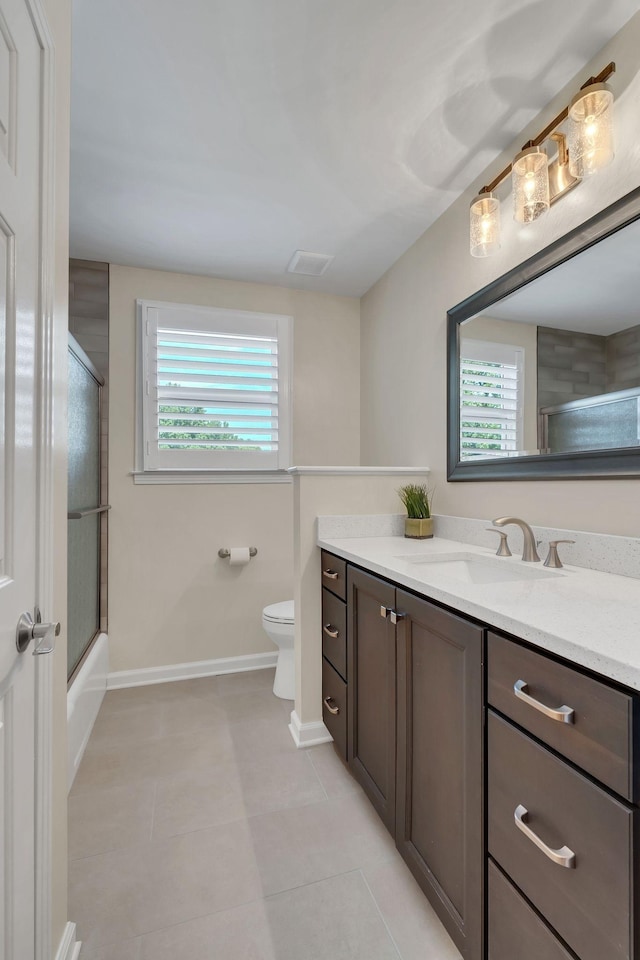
x=210, y=476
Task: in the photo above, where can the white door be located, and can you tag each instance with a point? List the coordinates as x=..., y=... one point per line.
x=21, y=80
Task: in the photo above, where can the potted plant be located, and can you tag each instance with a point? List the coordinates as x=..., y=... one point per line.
x=417, y=502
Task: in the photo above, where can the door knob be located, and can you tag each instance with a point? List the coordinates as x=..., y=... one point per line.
x=43, y=633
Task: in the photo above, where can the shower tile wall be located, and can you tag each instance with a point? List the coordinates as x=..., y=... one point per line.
x=623, y=359
x=572, y=366
x=89, y=324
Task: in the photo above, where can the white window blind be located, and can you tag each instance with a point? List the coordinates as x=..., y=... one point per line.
x=215, y=388
x=491, y=392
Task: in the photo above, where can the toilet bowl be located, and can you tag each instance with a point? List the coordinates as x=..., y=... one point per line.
x=279, y=624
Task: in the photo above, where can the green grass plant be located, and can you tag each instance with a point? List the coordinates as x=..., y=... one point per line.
x=417, y=500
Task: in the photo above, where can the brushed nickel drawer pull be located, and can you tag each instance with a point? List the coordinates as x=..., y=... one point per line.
x=334, y=710
x=330, y=631
x=330, y=574
x=563, y=714
x=564, y=857
x=396, y=617
x=384, y=611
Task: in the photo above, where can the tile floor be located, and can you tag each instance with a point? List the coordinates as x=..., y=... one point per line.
x=198, y=831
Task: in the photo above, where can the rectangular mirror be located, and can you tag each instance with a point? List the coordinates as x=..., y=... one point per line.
x=544, y=363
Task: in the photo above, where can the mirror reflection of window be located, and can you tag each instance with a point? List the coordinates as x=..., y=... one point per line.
x=491, y=399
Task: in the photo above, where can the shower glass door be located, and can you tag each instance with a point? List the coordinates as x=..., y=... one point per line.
x=84, y=507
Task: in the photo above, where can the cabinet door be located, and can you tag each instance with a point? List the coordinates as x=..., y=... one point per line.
x=439, y=821
x=371, y=669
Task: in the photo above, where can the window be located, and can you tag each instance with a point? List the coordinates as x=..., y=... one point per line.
x=214, y=388
x=491, y=395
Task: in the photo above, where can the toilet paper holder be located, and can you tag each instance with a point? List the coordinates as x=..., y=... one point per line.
x=224, y=552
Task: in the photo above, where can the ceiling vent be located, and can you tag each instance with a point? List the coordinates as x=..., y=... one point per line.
x=310, y=264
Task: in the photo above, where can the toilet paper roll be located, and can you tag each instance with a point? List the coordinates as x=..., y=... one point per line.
x=239, y=556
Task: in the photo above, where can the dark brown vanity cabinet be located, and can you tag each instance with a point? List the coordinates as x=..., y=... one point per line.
x=440, y=810
x=334, y=649
x=561, y=828
x=371, y=660
x=441, y=713
x=415, y=741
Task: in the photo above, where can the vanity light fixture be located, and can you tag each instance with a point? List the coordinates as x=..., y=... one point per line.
x=484, y=225
x=530, y=184
x=591, y=130
x=538, y=181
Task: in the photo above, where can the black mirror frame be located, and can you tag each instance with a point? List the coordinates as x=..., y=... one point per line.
x=594, y=465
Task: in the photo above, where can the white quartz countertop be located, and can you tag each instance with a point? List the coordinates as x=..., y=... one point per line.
x=588, y=617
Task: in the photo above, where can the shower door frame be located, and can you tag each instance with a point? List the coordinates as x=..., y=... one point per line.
x=81, y=356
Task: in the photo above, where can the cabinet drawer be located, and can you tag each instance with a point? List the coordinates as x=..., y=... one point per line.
x=334, y=706
x=334, y=574
x=588, y=903
x=599, y=737
x=334, y=632
x=516, y=932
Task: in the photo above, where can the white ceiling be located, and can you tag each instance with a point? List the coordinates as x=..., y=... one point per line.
x=219, y=136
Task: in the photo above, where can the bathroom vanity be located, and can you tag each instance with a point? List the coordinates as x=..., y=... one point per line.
x=507, y=773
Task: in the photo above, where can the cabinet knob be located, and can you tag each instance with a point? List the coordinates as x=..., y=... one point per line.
x=396, y=617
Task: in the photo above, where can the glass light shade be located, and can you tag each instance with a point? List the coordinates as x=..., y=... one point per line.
x=590, y=130
x=530, y=183
x=484, y=225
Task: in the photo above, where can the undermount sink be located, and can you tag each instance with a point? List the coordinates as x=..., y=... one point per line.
x=474, y=568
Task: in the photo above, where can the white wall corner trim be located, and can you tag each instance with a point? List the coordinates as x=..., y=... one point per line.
x=69, y=948
x=195, y=476
x=190, y=671
x=308, y=734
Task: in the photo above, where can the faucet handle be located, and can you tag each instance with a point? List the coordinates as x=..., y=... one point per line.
x=553, y=560
x=503, y=549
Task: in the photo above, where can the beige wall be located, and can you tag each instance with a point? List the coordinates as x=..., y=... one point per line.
x=58, y=13
x=404, y=326
x=171, y=599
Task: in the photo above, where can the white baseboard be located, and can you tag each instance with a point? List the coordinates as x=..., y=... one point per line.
x=189, y=671
x=308, y=734
x=84, y=700
x=69, y=948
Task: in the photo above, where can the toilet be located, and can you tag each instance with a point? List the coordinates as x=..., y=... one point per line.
x=279, y=625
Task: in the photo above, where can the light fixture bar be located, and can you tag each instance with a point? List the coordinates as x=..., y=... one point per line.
x=549, y=129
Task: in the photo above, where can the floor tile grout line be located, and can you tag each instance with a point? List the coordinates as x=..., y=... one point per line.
x=153, y=810
x=236, y=906
x=310, y=883
x=381, y=915
x=318, y=777
x=212, y=826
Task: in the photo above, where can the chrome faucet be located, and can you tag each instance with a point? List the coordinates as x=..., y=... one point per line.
x=529, y=552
